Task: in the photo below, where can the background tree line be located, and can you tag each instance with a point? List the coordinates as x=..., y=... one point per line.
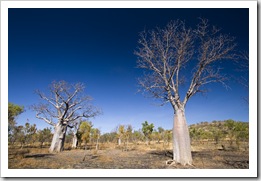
x=233, y=132
x=219, y=132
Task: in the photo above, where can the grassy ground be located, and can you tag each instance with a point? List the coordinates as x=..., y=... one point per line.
x=138, y=156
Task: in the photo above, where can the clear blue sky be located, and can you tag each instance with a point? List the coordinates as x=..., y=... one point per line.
x=95, y=46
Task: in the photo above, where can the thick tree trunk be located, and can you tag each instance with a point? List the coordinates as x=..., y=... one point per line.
x=181, y=139
x=58, y=138
x=75, y=141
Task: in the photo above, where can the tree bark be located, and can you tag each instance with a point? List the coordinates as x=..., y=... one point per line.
x=75, y=141
x=181, y=139
x=58, y=138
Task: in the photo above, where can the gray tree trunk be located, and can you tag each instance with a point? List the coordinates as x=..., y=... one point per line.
x=147, y=141
x=181, y=139
x=58, y=138
x=75, y=141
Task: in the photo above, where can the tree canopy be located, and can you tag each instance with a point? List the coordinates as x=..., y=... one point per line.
x=13, y=111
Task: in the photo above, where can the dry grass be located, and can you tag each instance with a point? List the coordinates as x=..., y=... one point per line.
x=138, y=156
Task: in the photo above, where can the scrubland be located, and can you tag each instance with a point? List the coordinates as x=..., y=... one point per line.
x=206, y=155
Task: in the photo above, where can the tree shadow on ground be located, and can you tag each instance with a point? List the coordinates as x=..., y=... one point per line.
x=164, y=153
x=244, y=164
x=205, y=154
x=39, y=155
x=169, y=154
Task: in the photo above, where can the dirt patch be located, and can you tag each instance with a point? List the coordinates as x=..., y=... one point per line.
x=117, y=159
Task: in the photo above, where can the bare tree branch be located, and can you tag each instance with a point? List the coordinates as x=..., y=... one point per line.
x=67, y=104
x=44, y=113
x=163, y=53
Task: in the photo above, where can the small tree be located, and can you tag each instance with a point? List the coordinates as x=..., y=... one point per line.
x=160, y=130
x=84, y=132
x=193, y=133
x=44, y=135
x=159, y=134
x=167, y=136
x=96, y=133
x=217, y=134
x=155, y=136
x=147, y=131
x=29, y=131
x=18, y=135
x=121, y=132
x=242, y=133
x=13, y=111
x=137, y=136
x=25, y=133
x=128, y=135
x=66, y=103
x=230, y=126
x=108, y=137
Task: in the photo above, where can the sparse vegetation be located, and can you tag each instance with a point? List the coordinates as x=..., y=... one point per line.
x=147, y=131
x=228, y=134
x=175, y=62
x=212, y=146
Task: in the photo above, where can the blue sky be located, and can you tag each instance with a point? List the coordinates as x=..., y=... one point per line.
x=95, y=46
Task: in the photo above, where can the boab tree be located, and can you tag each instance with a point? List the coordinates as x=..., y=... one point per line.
x=165, y=53
x=66, y=103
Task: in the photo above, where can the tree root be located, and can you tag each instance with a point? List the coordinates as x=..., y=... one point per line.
x=170, y=162
x=174, y=163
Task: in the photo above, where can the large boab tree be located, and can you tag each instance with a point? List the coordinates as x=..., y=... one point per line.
x=66, y=104
x=165, y=53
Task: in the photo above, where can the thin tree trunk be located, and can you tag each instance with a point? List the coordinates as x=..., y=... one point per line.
x=22, y=145
x=97, y=144
x=147, y=141
x=58, y=138
x=181, y=139
x=75, y=141
x=119, y=141
x=127, y=144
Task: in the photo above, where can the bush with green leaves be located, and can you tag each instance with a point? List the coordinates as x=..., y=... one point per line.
x=147, y=130
x=44, y=136
x=13, y=111
x=84, y=132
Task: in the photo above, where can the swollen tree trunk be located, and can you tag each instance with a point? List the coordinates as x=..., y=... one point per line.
x=181, y=139
x=58, y=138
x=75, y=141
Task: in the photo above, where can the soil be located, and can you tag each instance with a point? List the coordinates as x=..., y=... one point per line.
x=132, y=159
